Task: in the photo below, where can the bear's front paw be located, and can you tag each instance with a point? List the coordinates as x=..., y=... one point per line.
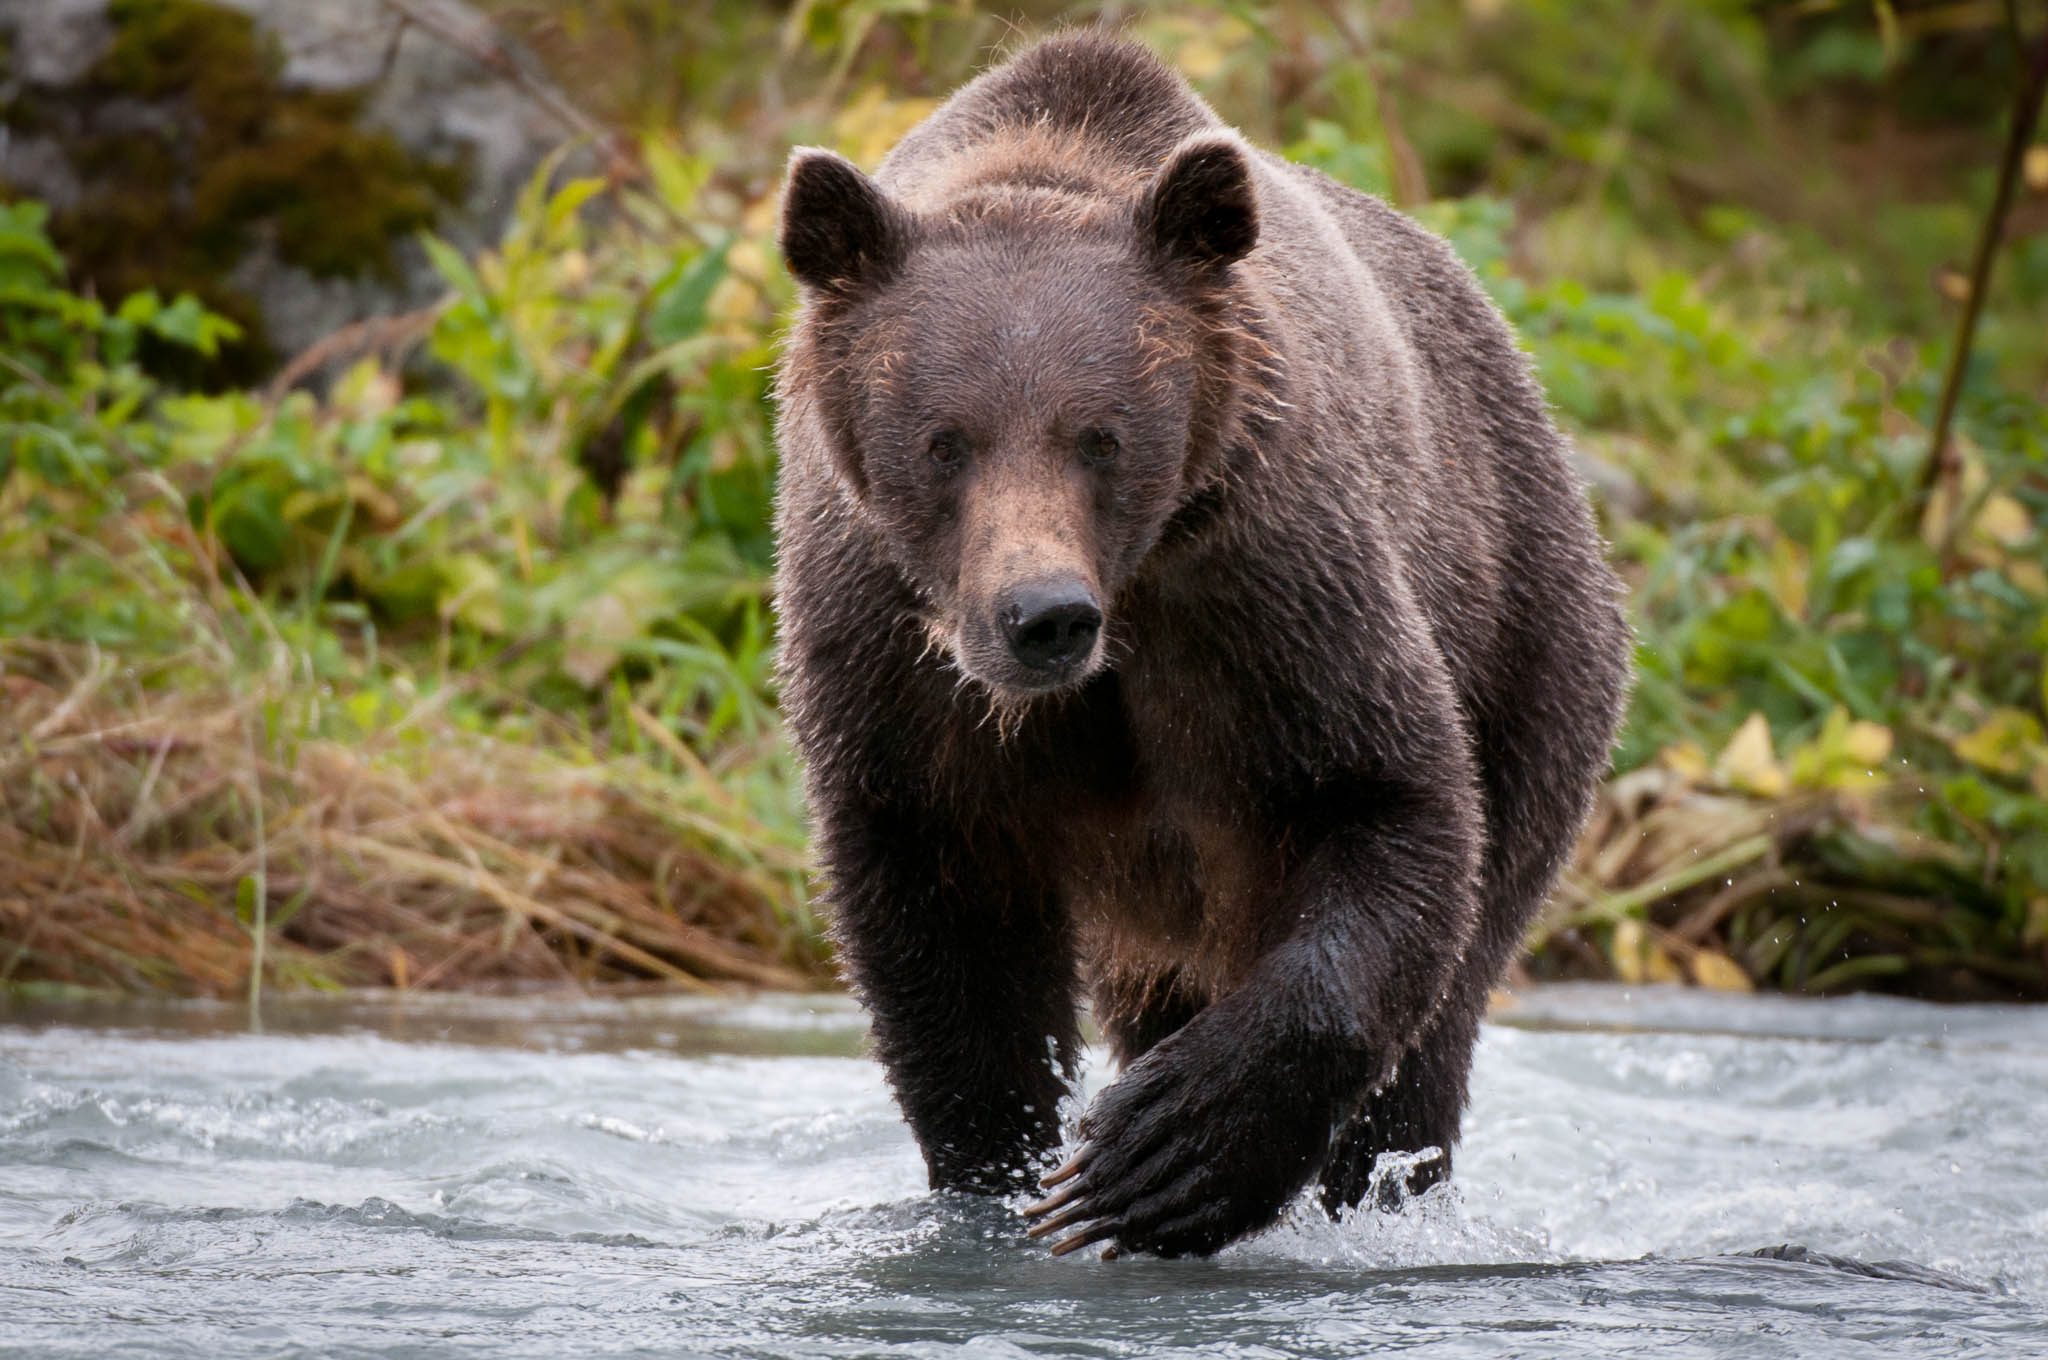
x=1197, y=1144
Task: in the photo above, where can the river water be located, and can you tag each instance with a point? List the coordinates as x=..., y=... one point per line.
x=450, y=1176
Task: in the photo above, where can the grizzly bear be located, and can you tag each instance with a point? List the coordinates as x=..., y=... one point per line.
x=1185, y=600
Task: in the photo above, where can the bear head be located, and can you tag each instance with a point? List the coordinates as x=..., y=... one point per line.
x=1020, y=389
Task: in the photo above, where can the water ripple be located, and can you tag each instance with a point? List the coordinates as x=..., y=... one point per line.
x=1678, y=1175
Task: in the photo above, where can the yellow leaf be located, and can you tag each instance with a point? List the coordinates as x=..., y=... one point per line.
x=2028, y=576
x=2035, y=168
x=1788, y=577
x=2002, y=743
x=1658, y=965
x=1843, y=755
x=1686, y=760
x=2004, y=520
x=1868, y=742
x=1717, y=972
x=1748, y=763
x=1626, y=950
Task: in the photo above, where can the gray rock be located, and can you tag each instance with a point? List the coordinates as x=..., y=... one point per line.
x=55, y=41
x=436, y=100
x=39, y=162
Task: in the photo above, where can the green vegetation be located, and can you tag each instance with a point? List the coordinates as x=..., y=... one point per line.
x=227, y=155
x=384, y=681
x=460, y=671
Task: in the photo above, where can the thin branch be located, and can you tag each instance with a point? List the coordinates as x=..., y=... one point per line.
x=489, y=51
x=2026, y=113
x=389, y=333
x=1406, y=177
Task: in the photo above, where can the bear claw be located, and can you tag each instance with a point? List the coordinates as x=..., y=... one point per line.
x=1052, y=1201
x=1093, y=1233
x=1065, y=1171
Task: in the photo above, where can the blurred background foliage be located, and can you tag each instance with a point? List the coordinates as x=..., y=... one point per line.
x=250, y=633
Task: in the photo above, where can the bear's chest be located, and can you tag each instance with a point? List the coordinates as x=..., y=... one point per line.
x=1157, y=863
x=1156, y=883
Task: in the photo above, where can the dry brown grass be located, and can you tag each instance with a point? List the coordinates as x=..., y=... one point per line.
x=1814, y=890
x=140, y=828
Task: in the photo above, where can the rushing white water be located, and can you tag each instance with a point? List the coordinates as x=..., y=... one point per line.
x=434, y=1176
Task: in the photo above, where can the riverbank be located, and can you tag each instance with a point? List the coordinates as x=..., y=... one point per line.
x=143, y=823
x=157, y=837
x=444, y=658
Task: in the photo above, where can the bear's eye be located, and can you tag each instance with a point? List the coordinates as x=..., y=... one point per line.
x=948, y=448
x=1098, y=447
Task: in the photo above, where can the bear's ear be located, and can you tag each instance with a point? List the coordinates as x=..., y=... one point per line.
x=840, y=232
x=1200, y=211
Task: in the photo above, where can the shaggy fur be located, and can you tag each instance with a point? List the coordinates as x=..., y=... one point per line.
x=1359, y=663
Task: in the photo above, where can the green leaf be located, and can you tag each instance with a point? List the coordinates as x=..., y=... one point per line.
x=27, y=259
x=186, y=322
x=681, y=296
x=140, y=309
x=450, y=265
x=571, y=197
x=245, y=899
x=677, y=178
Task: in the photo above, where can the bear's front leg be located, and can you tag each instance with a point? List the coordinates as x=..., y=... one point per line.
x=1210, y=1135
x=968, y=974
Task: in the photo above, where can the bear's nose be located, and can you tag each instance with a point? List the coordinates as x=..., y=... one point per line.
x=1051, y=625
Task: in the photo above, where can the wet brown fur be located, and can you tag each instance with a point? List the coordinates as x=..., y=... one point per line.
x=1360, y=665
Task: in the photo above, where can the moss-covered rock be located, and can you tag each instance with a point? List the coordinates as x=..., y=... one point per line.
x=274, y=157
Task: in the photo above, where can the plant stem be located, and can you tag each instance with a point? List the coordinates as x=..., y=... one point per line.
x=2026, y=113
x=1616, y=906
x=259, y=925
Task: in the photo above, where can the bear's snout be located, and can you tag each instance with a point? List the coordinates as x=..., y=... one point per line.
x=1051, y=626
